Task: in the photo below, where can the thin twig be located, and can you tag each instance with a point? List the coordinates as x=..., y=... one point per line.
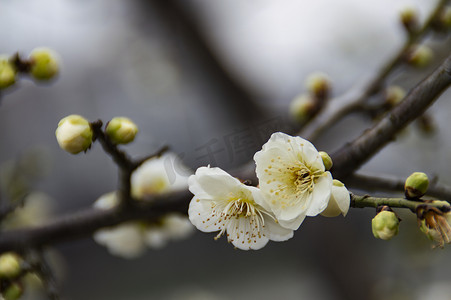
x=390, y=183
x=354, y=100
x=353, y=155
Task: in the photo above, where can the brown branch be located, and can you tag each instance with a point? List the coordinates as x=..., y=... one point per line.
x=390, y=183
x=353, y=155
x=355, y=99
x=84, y=223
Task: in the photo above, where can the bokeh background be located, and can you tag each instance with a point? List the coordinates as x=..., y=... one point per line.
x=138, y=59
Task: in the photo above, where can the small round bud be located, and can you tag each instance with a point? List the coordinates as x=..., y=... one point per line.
x=121, y=130
x=44, y=64
x=420, y=56
x=327, y=161
x=394, y=94
x=409, y=19
x=13, y=292
x=385, y=225
x=416, y=185
x=318, y=84
x=7, y=73
x=339, y=200
x=74, y=134
x=9, y=265
x=302, y=108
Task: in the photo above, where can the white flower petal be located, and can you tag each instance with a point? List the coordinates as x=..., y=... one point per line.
x=321, y=194
x=201, y=215
x=293, y=223
x=107, y=201
x=275, y=232
x=176, y=226
x=245, y=236
x=154, y=237
x=212, y=181
x=339, y=202
x=124, y=240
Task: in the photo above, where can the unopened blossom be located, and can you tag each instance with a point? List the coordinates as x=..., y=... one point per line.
x=121, y=130
x=339, y=200
x=292, y=175
x=74, y=134
x=44, y=63
x=159, y=175
x=385, y=225
x=222, y=203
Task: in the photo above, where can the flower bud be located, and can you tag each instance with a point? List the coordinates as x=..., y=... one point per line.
x=44, y=64
x=327, y=161
x=13, y=292
x=9, y=265
x=416, y=185
x=394, y=94
x=409, y=18
x=74, y=134
x=339, y=201
x=445, y=17
x=121, y=130
x=420, y=56
x=385, y=225
x=318, y=84
x=7, y=73
x=302, y=108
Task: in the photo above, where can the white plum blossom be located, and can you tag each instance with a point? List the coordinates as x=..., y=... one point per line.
x=124, y=240
x=222, y=203
x=339, y=200
x=173, y=227
x=292, y=175
x=129, y=240
x=159, y=175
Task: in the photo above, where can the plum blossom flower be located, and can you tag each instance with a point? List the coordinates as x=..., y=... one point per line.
x=292, y=175
x=159, y=175
x=222, y=203
x=339, y=201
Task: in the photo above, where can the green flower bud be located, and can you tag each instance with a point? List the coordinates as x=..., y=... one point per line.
x=385, y=225
x=7, y=73
x=416, y=185
x=74, y=134
x=13, y=292
x=9, y=265
x=409, y=18
x=445, y=17
x=394, y=94
x=121, y=130
x=318, y=84
x=327, y=161
x=44, y=64
x=420, y=56
x=302, y=108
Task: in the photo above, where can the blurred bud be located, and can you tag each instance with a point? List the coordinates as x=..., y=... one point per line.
x=13, y=292
x=327, y=161
x=420, y=56
x=302, y=108
x=121, y=130
x=9, y=265
x=7, y=73
x=416, y=185
x=318, y=84
x=394, y=94
x=385, y=225
x=426, y=124
x=409, y=19
x=74, y=134
x=44, y=64
x=339, y=200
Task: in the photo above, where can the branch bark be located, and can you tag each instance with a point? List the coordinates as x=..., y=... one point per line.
x=353, y=155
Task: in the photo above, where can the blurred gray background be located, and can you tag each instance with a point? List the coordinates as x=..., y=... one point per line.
x=136, y=59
